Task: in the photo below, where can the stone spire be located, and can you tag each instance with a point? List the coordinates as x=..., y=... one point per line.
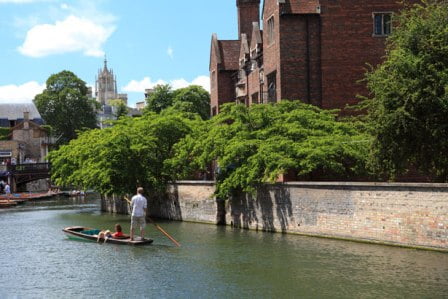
x=106, y=85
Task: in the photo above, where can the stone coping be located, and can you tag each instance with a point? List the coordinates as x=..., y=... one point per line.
x=336, y=184
x=369, y=184
x=191, y=182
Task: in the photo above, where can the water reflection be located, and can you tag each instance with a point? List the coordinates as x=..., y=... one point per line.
x=213, y=262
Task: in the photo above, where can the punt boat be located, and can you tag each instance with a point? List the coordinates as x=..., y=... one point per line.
x=87, y=233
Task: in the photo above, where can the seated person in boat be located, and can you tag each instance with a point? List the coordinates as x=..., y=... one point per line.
x=118, y=232
x=104, y=234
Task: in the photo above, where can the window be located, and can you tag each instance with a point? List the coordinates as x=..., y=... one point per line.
x=255, y=98
x=272, y=90
x=382, y=23
x=213, y=79
x=270, y=30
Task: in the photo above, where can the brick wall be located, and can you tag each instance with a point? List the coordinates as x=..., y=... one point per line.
x=348, y=45
x=271, y=56
x=400, y=214
x=226, y=87
x=32, y=144
x=11, y=145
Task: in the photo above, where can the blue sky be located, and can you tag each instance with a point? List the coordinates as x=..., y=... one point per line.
x=146, y=42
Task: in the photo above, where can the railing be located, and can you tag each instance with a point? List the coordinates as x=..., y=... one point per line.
x=29, y=168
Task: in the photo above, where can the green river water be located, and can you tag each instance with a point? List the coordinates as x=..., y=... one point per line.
x=39, y=261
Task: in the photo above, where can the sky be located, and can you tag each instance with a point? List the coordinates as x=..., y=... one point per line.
x=146, y=42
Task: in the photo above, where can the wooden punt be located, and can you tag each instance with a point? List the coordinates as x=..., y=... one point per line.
x=91, y=234
x=7, y=204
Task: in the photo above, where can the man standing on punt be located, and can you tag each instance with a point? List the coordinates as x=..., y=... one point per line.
x=138, y=206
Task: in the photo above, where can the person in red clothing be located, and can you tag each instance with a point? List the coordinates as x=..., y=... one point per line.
x=118, y=232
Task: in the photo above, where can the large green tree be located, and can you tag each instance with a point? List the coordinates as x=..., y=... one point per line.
x=408, y=108
x=160, y=98
x=193, y=99
x=117, y=159
x=64, y=106
x=254, y=145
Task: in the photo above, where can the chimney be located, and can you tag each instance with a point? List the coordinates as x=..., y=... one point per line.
x=248, y=12
x=26, y=120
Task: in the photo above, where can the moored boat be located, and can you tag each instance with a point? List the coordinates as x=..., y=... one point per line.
x=91, y=234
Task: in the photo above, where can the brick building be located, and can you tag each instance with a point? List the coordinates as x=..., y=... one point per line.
x=312, y=50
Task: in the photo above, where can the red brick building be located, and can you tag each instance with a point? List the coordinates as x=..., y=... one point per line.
x=312, y=50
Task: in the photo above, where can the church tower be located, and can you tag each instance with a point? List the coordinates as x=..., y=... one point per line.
x=106, y=85
x=248, y=12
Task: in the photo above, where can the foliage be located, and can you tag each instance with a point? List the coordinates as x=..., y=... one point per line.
x=408, y=109
x=64, y=105
x=193, y=99
x=257, y=144
x=160, y=99
x=4, y=132
x=119, y=158
x=120, y=108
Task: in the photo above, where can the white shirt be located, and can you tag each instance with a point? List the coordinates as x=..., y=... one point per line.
x=7, y=189
x=138, y=204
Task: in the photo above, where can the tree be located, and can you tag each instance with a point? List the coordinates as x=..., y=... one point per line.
x=161, y=98
x=120, y=108
x=4, y=132
x=193, y=99
x=64, y=106
x=254, y=145
x=117, y=159
x=408, y=109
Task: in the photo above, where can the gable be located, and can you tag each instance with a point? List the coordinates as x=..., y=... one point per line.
x=244, y=50
x=229, y=50
x=257, y=37
x=215, y=53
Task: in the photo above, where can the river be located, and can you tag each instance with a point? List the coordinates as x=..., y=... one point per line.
x=38, y=261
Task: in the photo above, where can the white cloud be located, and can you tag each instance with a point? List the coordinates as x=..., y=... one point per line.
x=140, y=86
x=70, y=35
x=170, y=52
x=146, y=82
x=24, y=93
x=203, y=81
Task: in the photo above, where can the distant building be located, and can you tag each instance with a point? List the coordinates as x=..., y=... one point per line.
x=148, y=92
x=105, y=92
x=106, y=86
x=315, y=51
x=140, y=105
x=27, y=139
x=12, y=114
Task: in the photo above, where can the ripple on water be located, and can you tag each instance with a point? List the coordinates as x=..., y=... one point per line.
x=39, y=261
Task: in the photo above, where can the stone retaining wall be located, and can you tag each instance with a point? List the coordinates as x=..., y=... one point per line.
x=402, y=214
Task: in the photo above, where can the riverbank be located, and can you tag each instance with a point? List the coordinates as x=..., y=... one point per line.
x=410, y=215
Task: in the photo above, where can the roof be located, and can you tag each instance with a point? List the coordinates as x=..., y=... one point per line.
x=15, y=111
x=230, y=52
x=31, y=124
